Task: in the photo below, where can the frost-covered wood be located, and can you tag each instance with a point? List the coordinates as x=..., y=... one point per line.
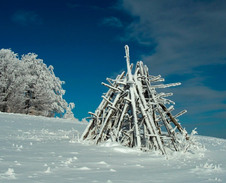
x=134, y=114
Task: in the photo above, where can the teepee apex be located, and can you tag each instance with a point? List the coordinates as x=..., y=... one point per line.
x=134, y=114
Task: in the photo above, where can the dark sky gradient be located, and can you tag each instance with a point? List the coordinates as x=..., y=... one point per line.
x=84, y=40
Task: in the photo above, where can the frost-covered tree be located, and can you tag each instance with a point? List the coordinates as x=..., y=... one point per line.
x=69, y=114
x=44, y=90
x=29, y=86
x=10, y=84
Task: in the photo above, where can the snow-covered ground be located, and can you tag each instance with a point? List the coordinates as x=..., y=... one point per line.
x=39, y=149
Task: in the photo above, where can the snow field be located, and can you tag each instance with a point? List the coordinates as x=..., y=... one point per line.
x=39, y=149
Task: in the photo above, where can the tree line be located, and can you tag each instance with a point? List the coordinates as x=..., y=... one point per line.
x=28, y=86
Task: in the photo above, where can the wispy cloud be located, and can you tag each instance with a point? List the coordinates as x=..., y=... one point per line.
x=112, y=22
x=198, y=98
x=26, y=18
x=186, y=35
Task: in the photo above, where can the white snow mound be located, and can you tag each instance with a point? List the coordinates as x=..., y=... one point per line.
x=39, y=149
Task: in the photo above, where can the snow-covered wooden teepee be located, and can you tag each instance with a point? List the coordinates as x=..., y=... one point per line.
x=134, y=114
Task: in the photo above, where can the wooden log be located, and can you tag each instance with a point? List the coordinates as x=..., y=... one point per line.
x=166, y=124
x=179, y=114
x=146, y=137
x=98, y=139
x=88, y=129
x=171, y=108
x=165, y=101
x=156, y=78
x=121, y=118
x=146, y=70
x=110, y=81
x=101, y=106
x=165, y=85
x=141, y=68
x=149, y=120
x=132, y=98
x=111, y=87
x=103, y=103
x=160, y=95
x=120, y=83
x=179, y=127
x=134, y=111
x=105, y=123
x=108, y=101
x=91, y=113
x=114, y=108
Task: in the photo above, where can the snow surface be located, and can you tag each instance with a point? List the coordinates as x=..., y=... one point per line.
x=39, y=149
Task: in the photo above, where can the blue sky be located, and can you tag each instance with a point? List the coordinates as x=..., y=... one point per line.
x=182, y=40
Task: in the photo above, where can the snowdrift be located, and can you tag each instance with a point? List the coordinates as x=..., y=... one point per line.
x=39, y=149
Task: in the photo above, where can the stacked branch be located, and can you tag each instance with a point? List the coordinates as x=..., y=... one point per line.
x=134, y=114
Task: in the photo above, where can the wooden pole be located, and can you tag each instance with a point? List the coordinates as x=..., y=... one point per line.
x=132, y=97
